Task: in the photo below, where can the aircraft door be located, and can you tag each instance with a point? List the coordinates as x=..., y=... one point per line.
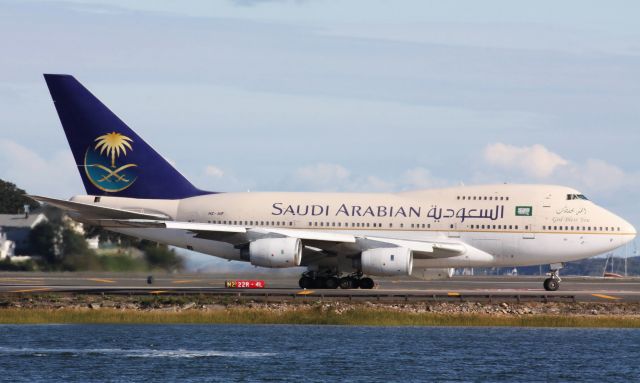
x=525, y=218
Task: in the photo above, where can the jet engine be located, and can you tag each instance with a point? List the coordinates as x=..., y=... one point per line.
x=275, y=252
x=387, y=261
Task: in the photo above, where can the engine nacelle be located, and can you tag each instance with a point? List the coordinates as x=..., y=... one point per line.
x=275, y=252
x=387, y=261
x=432, y=274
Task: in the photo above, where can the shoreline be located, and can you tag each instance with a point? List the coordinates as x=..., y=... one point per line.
x=199, y=309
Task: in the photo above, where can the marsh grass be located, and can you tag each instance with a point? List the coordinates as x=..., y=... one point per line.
x=309, y=316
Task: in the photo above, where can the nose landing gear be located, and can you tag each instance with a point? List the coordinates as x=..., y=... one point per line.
x=553, y=282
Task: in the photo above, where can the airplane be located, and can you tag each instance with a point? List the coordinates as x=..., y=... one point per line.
x=341, y=239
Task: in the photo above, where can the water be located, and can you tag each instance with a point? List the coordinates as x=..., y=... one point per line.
x=200, y=353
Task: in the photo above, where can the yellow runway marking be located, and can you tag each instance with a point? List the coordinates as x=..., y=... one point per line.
x=185, y=281
x=158, y=291
x=306, y=292
x=453, y=294
x=101, y=280
x=606, y=296
x=31, y=290
x=18, y=280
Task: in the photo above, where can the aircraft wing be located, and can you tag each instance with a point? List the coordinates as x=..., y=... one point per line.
x=326, y=241
x=91, y=212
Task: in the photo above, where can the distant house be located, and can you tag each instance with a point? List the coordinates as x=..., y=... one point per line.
x=17, y=227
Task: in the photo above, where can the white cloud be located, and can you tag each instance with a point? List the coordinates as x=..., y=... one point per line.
x=321, y=177
x=213, y=171
x=420, y=178
x=53, y=176
x=593, y=175
x=597, y=176
x=536, y=161
x=326, y=177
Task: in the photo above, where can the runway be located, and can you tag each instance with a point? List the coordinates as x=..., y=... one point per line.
x=573, y=289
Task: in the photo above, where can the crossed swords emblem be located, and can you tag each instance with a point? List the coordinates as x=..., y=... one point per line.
x=115, y=173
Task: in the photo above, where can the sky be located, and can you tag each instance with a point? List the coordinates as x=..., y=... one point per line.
x=326, y=95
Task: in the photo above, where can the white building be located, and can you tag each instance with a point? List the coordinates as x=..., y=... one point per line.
x=7, y=247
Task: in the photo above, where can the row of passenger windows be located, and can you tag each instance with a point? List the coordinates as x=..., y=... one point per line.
x=254, y=223
x=483, y=198
x=414, y=225
x=582, y=228
x=497, y=227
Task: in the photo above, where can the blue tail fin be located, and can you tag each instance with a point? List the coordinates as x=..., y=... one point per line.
x=111, y=158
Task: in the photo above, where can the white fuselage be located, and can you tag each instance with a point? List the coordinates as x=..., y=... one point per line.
x=514, y=225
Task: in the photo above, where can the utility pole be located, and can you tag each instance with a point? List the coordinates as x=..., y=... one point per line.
x=626, y=255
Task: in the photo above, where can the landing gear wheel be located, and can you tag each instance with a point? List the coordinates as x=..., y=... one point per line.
x=319, y=282
x=347, y=283
x=551, y=284
x=306, y=283
x=366, y=283
x=331, y=283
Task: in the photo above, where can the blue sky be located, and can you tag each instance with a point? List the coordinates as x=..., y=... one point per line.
x=337, y=95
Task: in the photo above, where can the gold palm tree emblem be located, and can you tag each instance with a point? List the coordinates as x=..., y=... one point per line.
x=113, y=144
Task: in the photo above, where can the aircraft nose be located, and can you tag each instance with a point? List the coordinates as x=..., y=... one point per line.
x=628, y=230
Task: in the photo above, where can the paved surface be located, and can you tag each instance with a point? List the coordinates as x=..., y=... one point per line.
x=285, y=288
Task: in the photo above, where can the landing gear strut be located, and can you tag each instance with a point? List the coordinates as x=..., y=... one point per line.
x=318, y=280
x=553, y=282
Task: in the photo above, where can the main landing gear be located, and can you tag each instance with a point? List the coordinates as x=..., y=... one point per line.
x=316, y=280
x=553, y=282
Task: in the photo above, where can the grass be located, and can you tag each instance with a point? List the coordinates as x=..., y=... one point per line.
x=310, y=316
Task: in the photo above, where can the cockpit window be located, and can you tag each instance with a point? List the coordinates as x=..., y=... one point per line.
x=577, y=196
